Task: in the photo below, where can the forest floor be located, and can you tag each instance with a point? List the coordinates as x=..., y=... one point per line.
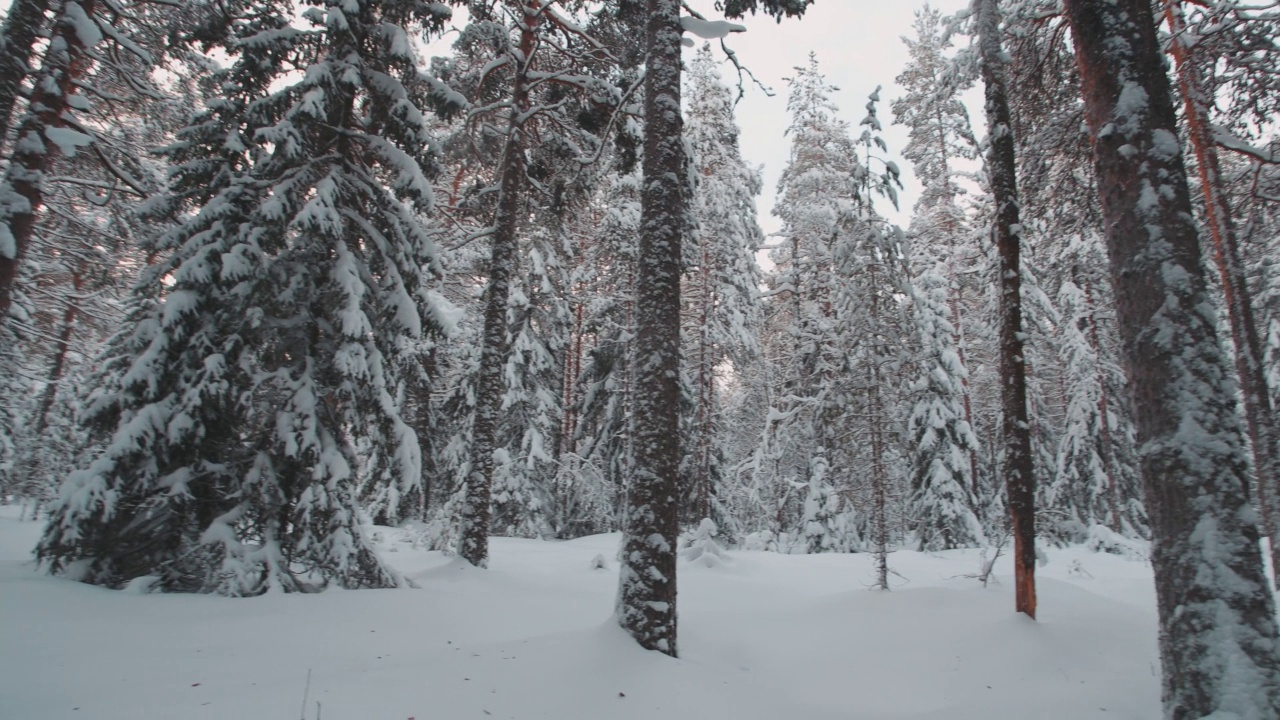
x=764, y=637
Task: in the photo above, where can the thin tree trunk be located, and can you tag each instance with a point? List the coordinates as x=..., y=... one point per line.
x=17, y=40
x=956, y=320
x=1259, y=414
x=1106, y=447
x=64, y=62
x=647, y=585
x=706, y=378
x=572, y=369
x=1007, y=230
x=69, y=316
x=1217, y=618
x=473, y=545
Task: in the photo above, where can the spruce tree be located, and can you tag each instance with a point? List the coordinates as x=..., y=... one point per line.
x=721, y=282
x=296, y=283
x=941, y=509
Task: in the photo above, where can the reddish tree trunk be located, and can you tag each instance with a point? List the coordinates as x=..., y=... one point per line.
x=1007, y=231
x=1259, y=415
x=1217, y=618
x=33, y=152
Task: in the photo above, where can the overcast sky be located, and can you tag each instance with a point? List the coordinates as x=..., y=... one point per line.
x=858, y=45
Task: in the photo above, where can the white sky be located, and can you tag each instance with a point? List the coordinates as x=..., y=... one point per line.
x=858, y=45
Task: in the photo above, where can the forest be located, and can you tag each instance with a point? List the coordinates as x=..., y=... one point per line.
x=284, y=283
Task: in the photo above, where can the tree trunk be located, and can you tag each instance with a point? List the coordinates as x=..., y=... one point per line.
x=1007, y=231
x=647, y=584
x=1217, y=617
x=1259, y=414
x=956, y=321
x=69, y=316
x=1106, y=446
x=17, y=39
x=64, y=62
x=704, y=427
x=473, y=546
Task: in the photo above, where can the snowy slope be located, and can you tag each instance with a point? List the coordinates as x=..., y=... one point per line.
x=767, y=637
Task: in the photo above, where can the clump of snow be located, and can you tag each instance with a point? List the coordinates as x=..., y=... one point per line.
x=703, y=548
x=710, y=29
x=1104, y=540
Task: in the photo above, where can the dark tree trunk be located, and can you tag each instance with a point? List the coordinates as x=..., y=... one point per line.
x=33, y=152
x=647, y=585
x=1217, y=618
x=473, y=546
x=1259, y=415
x=1007, y=232
x=17, y=38
x=69, y=316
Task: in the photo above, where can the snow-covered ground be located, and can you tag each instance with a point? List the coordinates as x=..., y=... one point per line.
x=767, y=637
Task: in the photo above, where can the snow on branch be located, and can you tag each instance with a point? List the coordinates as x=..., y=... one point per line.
x=710, y=29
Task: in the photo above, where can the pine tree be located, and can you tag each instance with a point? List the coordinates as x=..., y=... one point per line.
x=646, y=606
x=1220, y=222
x=1217, y=616
x=522, y=90
x=647, y=586
x=1006, y=231
x=48, y=129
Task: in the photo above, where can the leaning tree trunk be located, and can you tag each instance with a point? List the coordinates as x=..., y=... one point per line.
x=1260, y=419
x=473, y=545
x=23, y=183
x=647, y=584
x=1007, y=231
x=17, y=39
x=1218, y=631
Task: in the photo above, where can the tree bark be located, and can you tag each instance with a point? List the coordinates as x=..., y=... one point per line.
x=1259, y=414
x=17, y=39
x=647, y=585
x=1218, y=631
x=1007, y=232
x=473, y=545
x=32, y=153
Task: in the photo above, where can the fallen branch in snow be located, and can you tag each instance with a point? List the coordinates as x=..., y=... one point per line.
x=984, y=573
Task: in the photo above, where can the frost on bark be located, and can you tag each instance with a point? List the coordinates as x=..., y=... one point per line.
x=1007, y=233
x=17, y=38
x=647, y=584
x=1260, y=420
x=1216, y=613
